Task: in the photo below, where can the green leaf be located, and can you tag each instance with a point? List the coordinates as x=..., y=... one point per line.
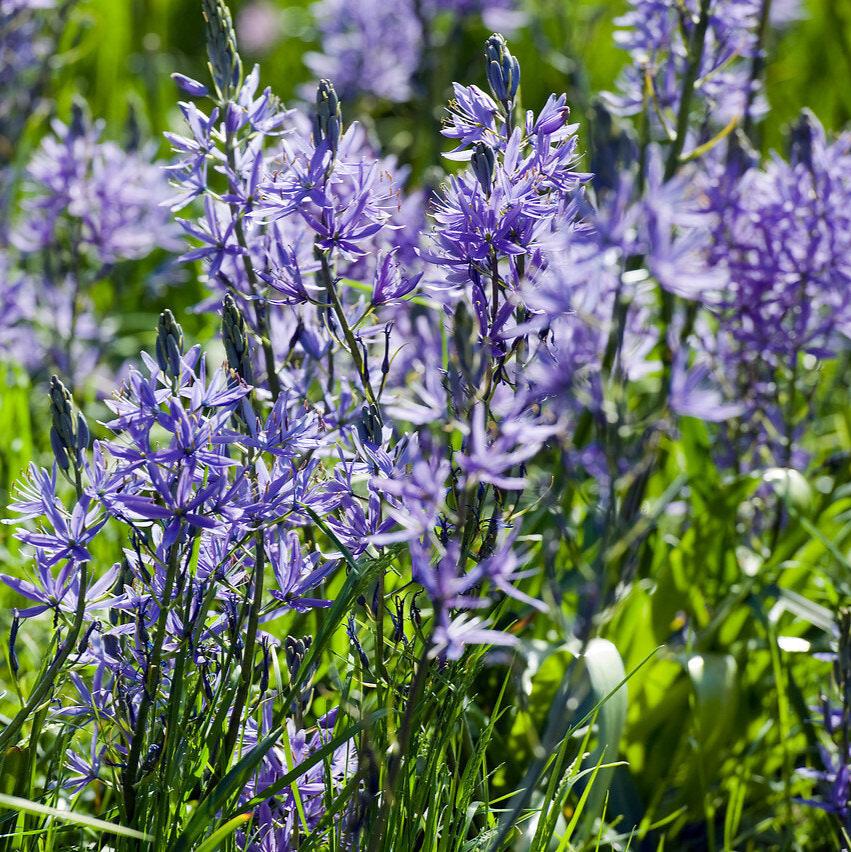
x=214, y=841
x=608, y=678
x=16, y=803
x=713, y=677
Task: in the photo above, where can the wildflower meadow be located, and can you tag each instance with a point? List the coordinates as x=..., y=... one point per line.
x=425, y=425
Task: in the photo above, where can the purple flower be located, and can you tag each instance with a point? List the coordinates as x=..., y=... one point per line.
x=60, y=591
x=295, y=572
x=68, y=535
x=389, y=285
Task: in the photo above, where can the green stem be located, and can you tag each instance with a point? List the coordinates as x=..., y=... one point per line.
x=251, y=274
x=151, y=685
x=348, y=334
x=397, y=758
x=234, y=724
x=696, y=47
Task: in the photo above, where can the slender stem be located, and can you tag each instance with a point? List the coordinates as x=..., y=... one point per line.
x=248, y=651
x=397, y=758
x=151, y=684
x=696, y=46
x=348, y=334
x=757, y=64
x=251, y=275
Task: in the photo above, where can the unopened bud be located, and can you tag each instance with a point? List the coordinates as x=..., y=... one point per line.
x=328, y=119
x=801, y=137
x=225, y=64
x=236, y=342
x=169, y=343
x=503, y=70
x=483, y=162
x=69, y=435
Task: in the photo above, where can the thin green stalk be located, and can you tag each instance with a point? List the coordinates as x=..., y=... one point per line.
x=397, y=758
x=152, y=675
x=348, y=334
x=251, y=275
x=757, y=64
x=248, y=653
x=696, y=47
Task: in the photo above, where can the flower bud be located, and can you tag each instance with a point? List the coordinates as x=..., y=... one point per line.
x=369, y=425
x=503, y=70
x=169, y=344
x=483, y=162
x=79, y=118
x=190, y=86
x=801, y=140
x=13, y=635
x=225, y=64
x=328, y=119
x=236, y=342
x=385, y=362
x=352, y=633
x=69, y=436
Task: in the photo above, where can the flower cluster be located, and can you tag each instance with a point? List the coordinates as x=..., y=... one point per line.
x=88, y=205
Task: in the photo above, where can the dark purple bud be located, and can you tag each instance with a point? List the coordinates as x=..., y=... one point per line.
x=385, y=362
x=416, y=618
x=84, y=642
x=13, y=635
x=58, y=450
x=328, y=118
x=352, y=633
x=237, y=348
x=79, y=119
x=801, y=136
x=132, y=128
x=152, y=758
x=483, y=162
x=234, y=118
x=398, y=619
x=264, y=667
x=369, y=425
x=365, y=359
